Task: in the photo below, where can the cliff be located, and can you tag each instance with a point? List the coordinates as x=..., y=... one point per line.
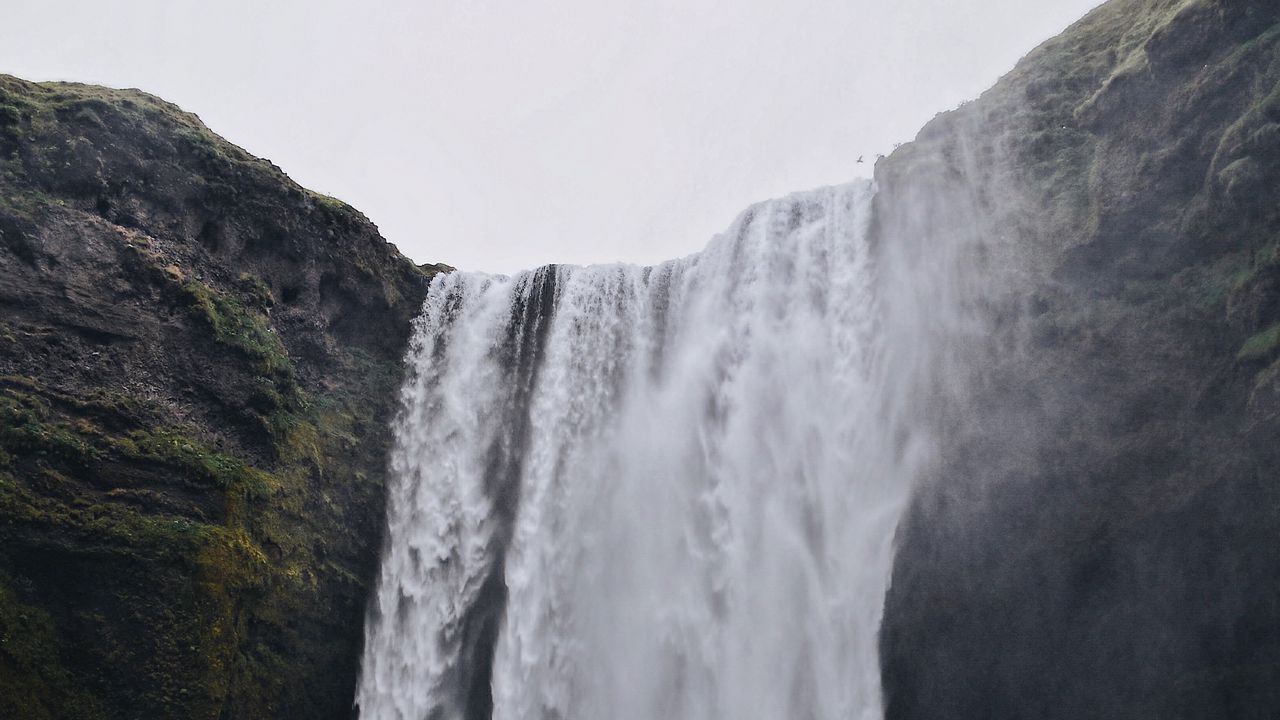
x=1099, y=537
x=198, y=359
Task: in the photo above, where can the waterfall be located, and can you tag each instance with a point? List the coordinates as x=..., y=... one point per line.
x=650, y=492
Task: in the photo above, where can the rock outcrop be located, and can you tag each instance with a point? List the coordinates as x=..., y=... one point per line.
x=1102, y=535
x=198, y=359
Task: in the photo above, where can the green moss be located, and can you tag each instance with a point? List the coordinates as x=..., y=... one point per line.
x=197, y=462
x=1246, y=51
x=31, y=434
x=55, y=101
x=257, y=290
x=45, y=445
x=49, y=492
x=34, y=680
x=238, y=321
x=239, y=327
x=9, y=115
x=202, y=143
x=1208, y=287
x=189, y=598
x=1261, y=346
x=20, y=198
x=247, y=583
x=329, y=201
x=98, y=403
x=1251, y=133
x=14, y=109
x=103, y=524
x=1264, y=259
x=244, y=600
x=25, y=433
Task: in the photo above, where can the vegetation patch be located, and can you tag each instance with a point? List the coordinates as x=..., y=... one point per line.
x=330, y=202
x=103, y=524
x=1209, y=287
x=18, y=197
x=25, y=433
x=1261, y=346
x=256, y=290
x=54, y=457
x=251, y=576
x=197, y=462
x=34, y=681
x=239, y=327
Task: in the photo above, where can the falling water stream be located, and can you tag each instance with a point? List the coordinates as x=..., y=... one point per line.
x=644, y=493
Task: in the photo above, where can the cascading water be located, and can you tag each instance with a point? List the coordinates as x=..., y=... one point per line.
x=641, y=493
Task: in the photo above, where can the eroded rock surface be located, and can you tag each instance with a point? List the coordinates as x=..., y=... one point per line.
x=1102, y=536
x=198, y=359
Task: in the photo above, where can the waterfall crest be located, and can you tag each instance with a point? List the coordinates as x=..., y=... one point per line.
x=664, y=492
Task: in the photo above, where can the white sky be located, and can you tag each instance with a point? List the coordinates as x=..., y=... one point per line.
x=504, y=134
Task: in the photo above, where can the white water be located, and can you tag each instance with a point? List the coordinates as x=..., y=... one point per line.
x=703, y=463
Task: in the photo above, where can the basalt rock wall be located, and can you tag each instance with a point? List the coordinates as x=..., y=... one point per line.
x=1099, y=535
x=198, y=361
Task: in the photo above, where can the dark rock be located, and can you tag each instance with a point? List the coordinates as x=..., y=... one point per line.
x=1100, y=537
x=198, y=363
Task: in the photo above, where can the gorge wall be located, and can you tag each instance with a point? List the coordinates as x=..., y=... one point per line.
x=199, y=362
x=1100, y=536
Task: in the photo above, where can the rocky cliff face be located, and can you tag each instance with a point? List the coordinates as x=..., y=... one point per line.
x=198, y=359
x=1101, y=535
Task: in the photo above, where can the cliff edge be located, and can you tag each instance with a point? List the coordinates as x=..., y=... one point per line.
x=198, y=362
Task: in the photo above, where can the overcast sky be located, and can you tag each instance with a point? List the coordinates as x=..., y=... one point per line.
x=504, y=134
